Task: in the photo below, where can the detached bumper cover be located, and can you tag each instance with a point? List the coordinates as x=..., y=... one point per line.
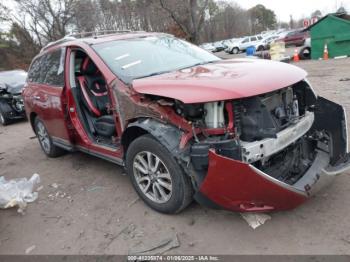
x=239, y=186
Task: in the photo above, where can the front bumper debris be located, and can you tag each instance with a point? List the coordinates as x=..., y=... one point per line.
x=238, y=186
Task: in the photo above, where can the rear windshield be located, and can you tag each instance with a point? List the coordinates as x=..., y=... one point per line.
x=141, y=57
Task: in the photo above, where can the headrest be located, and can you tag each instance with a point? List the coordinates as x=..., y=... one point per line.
x=88, y=67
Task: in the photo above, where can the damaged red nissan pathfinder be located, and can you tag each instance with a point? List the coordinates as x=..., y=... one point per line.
x=242, y=135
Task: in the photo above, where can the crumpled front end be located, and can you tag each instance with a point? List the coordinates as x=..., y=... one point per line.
x=267, y=169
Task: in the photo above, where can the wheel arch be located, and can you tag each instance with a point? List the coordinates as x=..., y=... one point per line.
x=168, y=135
x=32, y=117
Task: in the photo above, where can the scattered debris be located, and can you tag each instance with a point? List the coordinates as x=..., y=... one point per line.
x=54, y=185
x=191, y=244
x=32, y=137
x=158, y=249
x=18, y=192
x=133, y=202
x=345, y=79
x=255, y=220
x=30, y=249
x=346, y=239
x=94, y=188
x=4, y=240
x=39, y=188
x=191, y=222
x=58, y=194
x=111, y=237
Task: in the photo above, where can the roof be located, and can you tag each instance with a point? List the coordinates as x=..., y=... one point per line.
x=343, y=16
x=96, y=39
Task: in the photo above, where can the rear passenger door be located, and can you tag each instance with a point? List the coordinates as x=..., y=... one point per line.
x=48, y=95
x=245, y=43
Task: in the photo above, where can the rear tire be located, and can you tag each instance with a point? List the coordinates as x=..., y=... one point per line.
x=45, y=140
x=157, y=178
x=260, y=48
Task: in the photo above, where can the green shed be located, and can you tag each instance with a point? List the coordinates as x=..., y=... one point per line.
x=333, y=30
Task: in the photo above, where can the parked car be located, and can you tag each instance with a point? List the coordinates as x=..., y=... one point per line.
x=242, y=135
x=268, y=40
x=219, y=46
x=11, y=102
x=242, y=44
x=226, y=43
x=208, y=47
x=296, y=37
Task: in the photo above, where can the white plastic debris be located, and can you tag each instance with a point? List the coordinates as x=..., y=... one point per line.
x=18, y=192
x=255, y=220
x=30, y=249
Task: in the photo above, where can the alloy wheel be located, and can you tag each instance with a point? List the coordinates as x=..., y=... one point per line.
x=43, y=137
x=152, y=177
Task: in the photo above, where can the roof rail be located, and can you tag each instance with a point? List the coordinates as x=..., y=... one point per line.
x=59, y=41
x=98, y=33
x=74, y=36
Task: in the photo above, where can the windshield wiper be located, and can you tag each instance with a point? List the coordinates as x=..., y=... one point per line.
x=197, y=64
x=154, y=74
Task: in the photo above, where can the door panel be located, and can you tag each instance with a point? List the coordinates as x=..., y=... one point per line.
x=48, y=96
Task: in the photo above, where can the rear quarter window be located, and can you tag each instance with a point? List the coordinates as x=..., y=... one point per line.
x=35, y=74
x=48, y=69
x=53, y=64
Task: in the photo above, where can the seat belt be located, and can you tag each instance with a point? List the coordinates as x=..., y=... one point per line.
x=88, y=119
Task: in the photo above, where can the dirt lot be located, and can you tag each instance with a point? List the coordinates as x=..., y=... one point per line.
x=97, y=212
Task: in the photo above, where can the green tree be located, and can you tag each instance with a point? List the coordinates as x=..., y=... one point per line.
x=262, y=18
x=316, y=13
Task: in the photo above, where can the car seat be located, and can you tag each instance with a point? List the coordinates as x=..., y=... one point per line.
x=95, y=98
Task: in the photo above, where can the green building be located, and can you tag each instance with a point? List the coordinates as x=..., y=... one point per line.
x=333, y=30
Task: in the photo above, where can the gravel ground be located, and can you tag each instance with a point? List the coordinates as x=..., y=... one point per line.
x=93, y=209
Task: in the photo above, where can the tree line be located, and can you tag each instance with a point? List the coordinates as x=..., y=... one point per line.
x=28, y=25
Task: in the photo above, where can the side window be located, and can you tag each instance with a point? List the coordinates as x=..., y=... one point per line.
x=35, y=74
x=53, y=64
x=246, y=40
x=253, y=38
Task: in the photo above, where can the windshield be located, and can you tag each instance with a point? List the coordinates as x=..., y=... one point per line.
x=141, y=57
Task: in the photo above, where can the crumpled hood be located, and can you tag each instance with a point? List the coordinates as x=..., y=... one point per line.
x=222, y=80
x=13, y=89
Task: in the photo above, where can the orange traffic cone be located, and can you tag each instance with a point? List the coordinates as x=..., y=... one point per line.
x=325, y=52
x=296, y=56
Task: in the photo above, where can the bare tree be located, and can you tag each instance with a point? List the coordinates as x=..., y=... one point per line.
x=189, y=15
x=47, y=20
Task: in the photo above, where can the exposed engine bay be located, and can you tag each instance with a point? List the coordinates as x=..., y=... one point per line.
x=275, y=132
x=11, y=101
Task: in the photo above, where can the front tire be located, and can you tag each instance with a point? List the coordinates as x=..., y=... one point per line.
x=3, y=119
x=235, y=51
x=157, y=178
x=45, y=140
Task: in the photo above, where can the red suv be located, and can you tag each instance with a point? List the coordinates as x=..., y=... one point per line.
x=243, y=135
x=296, y=38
